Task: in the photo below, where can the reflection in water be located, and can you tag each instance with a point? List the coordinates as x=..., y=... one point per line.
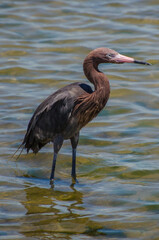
x=56, y=210
x=60, y=211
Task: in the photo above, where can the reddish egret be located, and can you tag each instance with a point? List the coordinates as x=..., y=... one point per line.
x=65, y=112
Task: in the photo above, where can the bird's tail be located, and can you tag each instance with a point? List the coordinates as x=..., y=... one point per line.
x=21, y=146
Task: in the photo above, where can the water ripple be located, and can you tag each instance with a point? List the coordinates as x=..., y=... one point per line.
x=42, y=49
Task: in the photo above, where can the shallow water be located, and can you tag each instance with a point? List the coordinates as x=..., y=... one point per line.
x=43, y=44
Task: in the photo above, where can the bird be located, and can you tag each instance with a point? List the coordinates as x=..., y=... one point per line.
x=62, y=115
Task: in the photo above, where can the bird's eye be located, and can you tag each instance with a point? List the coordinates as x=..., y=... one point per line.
x=110, y=55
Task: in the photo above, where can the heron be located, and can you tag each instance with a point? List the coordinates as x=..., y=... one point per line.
x=62, y=115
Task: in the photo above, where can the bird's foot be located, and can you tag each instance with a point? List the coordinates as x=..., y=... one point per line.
x=74, y=180
x=52, y=182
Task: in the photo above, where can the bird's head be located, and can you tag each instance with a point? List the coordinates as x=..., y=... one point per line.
x=106, y=55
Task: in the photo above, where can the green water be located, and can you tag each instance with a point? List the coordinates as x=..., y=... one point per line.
x=42, y=47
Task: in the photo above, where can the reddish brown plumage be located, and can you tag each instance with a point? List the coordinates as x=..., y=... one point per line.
x=87, y=106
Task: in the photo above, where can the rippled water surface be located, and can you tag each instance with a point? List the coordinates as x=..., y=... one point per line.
x=42, y=47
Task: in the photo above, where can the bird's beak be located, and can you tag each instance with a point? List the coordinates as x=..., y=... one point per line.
x=124, y=59
x=141, y=62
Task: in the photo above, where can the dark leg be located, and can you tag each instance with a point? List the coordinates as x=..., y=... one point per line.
x=58, y=141
x=74, y=143
x=73, y=174
x=53, y=167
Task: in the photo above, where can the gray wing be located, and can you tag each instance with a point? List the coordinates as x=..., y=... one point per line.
x=52, y=115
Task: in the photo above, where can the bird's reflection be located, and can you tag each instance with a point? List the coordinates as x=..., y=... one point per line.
x=58, y=196
x=59, y=210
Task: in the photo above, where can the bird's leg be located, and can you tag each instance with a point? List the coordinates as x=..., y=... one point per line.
x=73, y=174
x=53, y=168
x=58, y=141
x=74, y=143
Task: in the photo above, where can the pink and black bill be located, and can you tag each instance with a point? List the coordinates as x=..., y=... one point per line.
x=119, y=58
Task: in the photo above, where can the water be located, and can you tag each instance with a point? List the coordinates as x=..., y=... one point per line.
x=43, y=44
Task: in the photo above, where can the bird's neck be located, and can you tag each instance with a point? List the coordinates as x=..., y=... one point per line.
x=89, y=105
x=99, y=79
